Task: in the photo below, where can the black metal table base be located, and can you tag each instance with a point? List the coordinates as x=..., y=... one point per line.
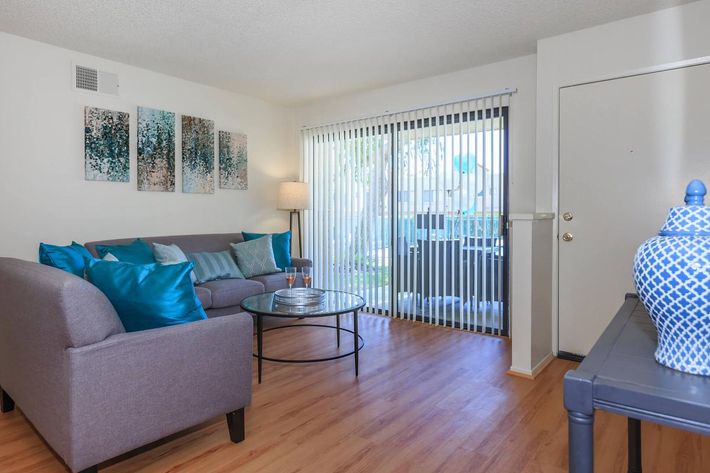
x=313, y=360
x=358, y=343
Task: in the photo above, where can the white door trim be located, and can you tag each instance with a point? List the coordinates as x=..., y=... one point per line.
x=556, y=165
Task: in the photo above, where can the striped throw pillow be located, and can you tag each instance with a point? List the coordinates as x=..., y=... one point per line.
x=211, y=266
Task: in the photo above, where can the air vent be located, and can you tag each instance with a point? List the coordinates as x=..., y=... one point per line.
x=93, y=80
x=87, y=78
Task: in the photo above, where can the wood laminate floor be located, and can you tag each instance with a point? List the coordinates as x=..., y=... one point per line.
x=427, y=400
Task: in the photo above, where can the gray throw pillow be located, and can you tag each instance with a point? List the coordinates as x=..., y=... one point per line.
x=211, y=266
x=255, y=257
x=170, y=254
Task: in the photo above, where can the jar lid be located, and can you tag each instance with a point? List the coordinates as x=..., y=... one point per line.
x=694, y=218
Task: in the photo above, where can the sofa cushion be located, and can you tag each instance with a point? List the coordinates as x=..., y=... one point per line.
x=171, y=254
x=136, y=252
x=230, y=292
x=218, y=265
x=255, y=257
x=148, y=296
x=68, y=258
x=204, y=295
x=275, y=281
x=109, y=257
x=281, y=245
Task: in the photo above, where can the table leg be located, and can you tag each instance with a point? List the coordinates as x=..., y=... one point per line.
x=634, y=445
x=581, y=442
x=337, y=332
x=356, y=343
x=259, y=343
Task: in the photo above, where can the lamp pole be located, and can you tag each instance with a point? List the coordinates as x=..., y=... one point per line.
x=294, y=197
x=290, y=227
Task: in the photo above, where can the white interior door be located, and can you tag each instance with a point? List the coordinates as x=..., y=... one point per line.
x=628, y=147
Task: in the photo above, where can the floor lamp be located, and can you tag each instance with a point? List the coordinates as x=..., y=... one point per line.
x=294, y=197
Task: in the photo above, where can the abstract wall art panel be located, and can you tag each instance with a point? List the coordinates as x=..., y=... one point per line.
x=232, y=160
x=197, y=155
x=156, y=150
x=105, y=145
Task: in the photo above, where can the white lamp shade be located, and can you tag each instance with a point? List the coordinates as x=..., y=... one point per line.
x=294, y=196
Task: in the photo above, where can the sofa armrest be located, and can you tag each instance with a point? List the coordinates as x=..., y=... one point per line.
x=301, y=262
x=134, y=388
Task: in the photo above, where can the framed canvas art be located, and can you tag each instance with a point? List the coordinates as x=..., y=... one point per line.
x=197, y=155
x=232, y=160
x=105, y=145
x=156, y=150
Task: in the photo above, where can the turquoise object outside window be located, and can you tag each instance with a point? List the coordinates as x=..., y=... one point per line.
x=136, y=252
x=68, y=258
x=281, y=244
x=148, y=296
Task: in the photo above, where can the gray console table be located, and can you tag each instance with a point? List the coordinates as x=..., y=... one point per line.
x=620, y=375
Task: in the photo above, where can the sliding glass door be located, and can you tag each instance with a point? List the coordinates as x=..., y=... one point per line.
x=450, y=266
x=409, y=211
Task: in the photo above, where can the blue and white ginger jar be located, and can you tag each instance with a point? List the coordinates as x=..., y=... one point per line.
x=672, y=276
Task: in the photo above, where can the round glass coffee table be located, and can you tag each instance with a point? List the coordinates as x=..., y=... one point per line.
x=336, y=304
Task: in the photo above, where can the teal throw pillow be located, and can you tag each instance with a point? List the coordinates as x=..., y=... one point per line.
x=136, y=252
x=212, y=266
x=281, y=245
x=68, y=258
x=170, y=254
x=147, y=296
x=255, y=257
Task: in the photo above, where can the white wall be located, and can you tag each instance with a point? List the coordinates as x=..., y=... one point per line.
x=530, y=293
x=616, y=48
x=517, y=73
x=43, y=193
x=610, y=50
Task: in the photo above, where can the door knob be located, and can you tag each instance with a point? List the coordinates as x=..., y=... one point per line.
x=567, y=216
x=567, y=236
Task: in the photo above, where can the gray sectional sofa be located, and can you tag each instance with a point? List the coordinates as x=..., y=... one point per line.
x=94, y=391
x=223, y=296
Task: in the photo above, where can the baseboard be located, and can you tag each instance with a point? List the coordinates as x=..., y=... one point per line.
x=565, y=355
x=518, y=373
x=537, y=369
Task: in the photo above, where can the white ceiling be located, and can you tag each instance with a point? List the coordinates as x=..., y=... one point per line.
x=296, y=51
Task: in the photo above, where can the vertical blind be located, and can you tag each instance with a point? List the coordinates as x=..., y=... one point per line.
x=409, y=212
x=347, y=230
